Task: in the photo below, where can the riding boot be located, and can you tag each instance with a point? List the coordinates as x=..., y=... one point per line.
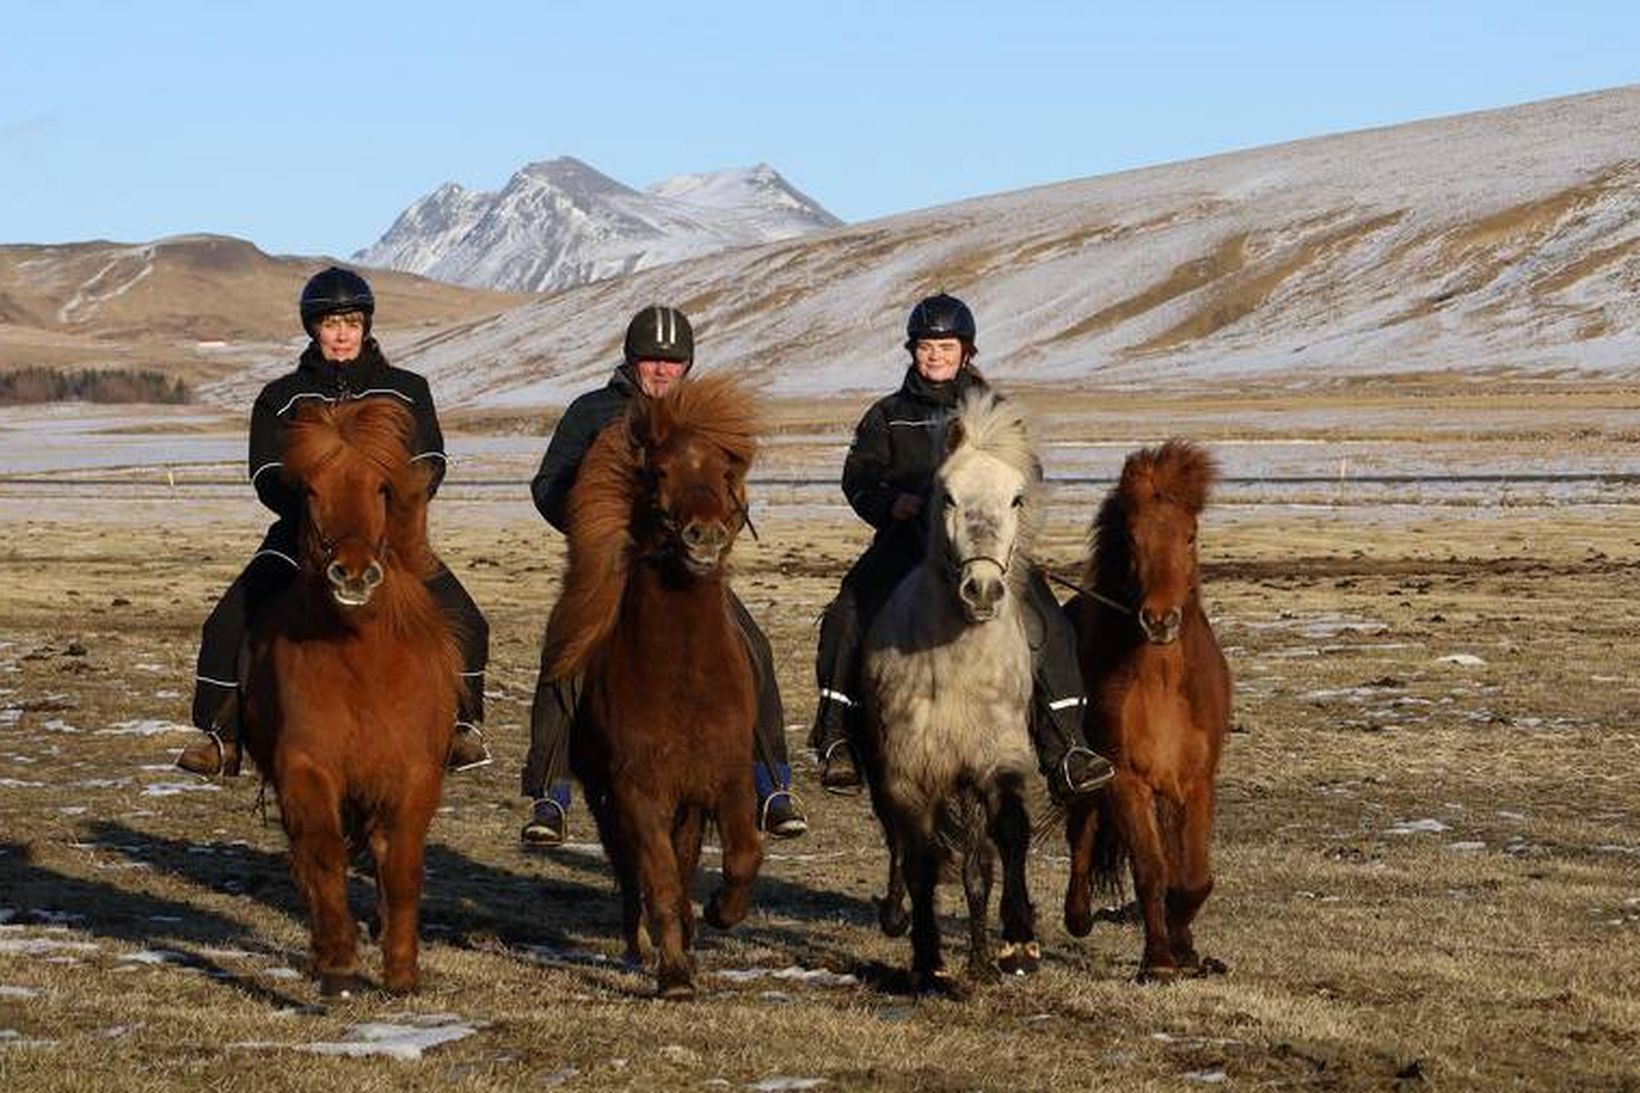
x=467, y=747
x=218, y=754
x=1058, y=704
x=549, y=819
x=779, y=812
x=835, y=719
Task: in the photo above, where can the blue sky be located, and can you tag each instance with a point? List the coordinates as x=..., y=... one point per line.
x=306, y=127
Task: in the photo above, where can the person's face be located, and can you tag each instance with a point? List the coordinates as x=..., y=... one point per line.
x=340, y=336
x=937, y=359
x=657, y=377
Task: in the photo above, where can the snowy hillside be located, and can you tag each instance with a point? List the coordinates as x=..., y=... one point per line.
x=561, y=223
x=1504, y=241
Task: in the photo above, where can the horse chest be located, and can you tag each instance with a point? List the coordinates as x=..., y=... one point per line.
x=1159, y=740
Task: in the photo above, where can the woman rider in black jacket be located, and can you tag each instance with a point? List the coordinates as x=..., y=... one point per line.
x=341, y=362
x=887, y=478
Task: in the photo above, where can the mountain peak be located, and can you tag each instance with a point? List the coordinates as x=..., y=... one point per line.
x=561, y=222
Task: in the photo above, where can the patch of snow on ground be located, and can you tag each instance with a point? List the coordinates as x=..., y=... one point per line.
x=819, y=977
x=171, y=789
x=779, y=1083
x=40, y=946
x=18, y=992
x=144, y=727
x=1417, y=827
x=406, y=1041
x=1462, y=660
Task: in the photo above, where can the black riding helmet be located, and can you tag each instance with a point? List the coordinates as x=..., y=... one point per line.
x=335, y=291
x=940, y=316
x=660, y=333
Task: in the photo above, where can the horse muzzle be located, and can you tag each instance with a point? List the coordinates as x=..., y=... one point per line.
x=705, y=543
x=353, y=589
x=1163, y=628
x=981, y=586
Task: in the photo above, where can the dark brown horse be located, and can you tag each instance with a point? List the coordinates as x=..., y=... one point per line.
x=1158, y=706
x=663, y=734
x=352, y=685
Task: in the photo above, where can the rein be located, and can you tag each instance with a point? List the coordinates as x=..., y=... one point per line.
x=1089, y=593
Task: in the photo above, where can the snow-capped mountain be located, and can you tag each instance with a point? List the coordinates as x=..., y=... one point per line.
x=1505, y=242
x=560, y=223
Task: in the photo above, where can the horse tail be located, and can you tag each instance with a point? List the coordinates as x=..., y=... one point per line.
x=1109, y=853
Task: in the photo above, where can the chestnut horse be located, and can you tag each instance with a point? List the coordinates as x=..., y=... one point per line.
x=352, y=683
x=947, y=676
x=662, y=739
x=1158, y=706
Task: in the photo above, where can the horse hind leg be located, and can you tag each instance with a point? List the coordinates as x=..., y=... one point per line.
x=311, y=809
x=687, y=831
x=618, y=848
x=922, y=869
x=1021, y=954
x=977, y=878
x=742, y=855
x=891, y=913
x=1081, y=833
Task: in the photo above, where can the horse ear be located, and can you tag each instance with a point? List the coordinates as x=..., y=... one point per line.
x=955, y=434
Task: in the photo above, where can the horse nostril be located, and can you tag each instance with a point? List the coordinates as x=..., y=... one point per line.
x=372, y=575
x=335, y=573
x=1171, y=619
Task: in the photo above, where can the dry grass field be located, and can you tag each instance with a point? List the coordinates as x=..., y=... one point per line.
x=1428, y=850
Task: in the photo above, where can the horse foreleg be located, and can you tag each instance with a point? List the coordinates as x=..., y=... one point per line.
x=1011, y=831
x=742, y=855
x=399, y=896
x=1193, y=878
x=1135, y=813
x=311, y=811
x=649, y=825
x=1081, y=831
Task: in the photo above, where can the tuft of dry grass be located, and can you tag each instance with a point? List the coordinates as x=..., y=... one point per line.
x=1428, y=868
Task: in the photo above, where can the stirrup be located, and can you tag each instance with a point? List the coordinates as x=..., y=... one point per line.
x=791, y=828
x=837, y=782
x=468, y=730
x=1105, y=772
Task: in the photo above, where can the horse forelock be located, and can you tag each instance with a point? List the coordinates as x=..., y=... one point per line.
x=985, y=426
x=375, y=430
x=1177, y=472
x=718, y=409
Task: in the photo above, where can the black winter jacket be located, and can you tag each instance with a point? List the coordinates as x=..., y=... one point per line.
x=369, y=376
x=893, y=449
x=585, y=418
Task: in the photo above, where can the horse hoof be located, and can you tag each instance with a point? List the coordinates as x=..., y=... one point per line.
x=1209, y=965
x=1078, y=922
x=892, y=917
x=717, y=919
x=1157, y=975
x=407, y=983
x=675, y=987
x=938, y=984
x=1019, y=958
x=340, y=985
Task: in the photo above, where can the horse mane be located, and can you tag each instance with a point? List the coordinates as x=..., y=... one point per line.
x=988, y=423
x=607, y=499
x=1178, y=472
x=378, y=431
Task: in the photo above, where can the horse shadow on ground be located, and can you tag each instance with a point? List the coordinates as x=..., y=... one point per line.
x=183, y=933
x=555, y=910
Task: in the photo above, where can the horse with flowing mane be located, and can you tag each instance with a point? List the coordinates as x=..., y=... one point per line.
x=1158, y=706
x=947, y=675
x=352, y=683
x=663, y=732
